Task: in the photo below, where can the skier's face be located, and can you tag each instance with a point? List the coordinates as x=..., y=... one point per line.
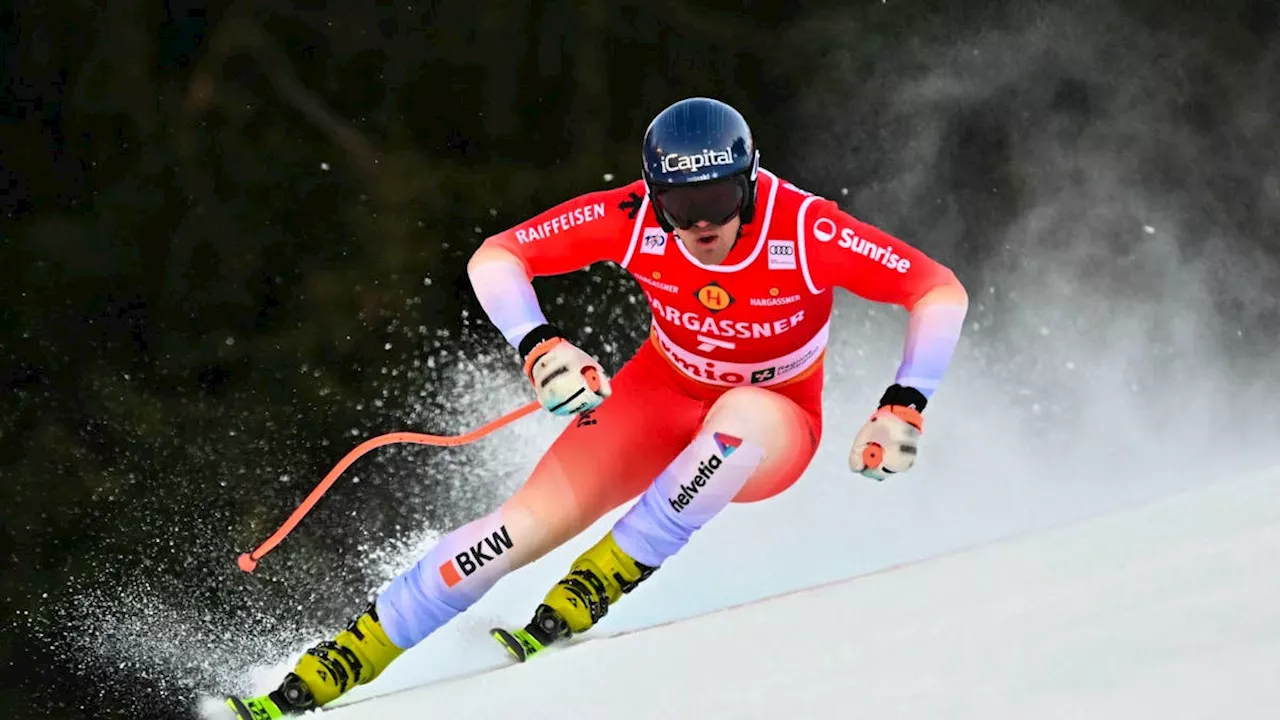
x=705, y=215
x=710, y=244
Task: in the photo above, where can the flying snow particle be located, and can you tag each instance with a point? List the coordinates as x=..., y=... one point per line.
x=608, y=177
x=324, y=166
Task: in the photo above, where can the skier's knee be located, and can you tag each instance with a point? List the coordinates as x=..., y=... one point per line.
x=761, y=416
x=786, y=434
x=732, y=411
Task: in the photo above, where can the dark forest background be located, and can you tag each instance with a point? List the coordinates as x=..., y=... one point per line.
x=234, y=234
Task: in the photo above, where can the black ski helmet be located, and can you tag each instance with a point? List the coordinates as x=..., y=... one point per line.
x=704, y=144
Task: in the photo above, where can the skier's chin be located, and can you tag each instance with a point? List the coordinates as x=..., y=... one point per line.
x=709, y=246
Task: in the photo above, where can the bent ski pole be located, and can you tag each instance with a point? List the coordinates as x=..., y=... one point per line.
x=249, y=561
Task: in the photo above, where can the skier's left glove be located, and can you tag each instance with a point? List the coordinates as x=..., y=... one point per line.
x=887, y=444
x=567, y=380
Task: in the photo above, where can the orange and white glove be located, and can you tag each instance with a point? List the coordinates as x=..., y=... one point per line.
x=887, y=443
x=567, y=380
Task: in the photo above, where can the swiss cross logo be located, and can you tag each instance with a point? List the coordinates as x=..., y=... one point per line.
x=713, y=297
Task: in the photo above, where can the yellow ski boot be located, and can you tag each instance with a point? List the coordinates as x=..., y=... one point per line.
x=355, y=657
x=597, y=579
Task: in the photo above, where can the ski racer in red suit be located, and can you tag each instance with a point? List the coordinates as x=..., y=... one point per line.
x=722, y=403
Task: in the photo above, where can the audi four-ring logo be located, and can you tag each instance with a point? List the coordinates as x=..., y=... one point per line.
x=782, y=250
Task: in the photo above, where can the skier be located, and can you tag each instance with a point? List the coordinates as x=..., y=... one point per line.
x=722, y=402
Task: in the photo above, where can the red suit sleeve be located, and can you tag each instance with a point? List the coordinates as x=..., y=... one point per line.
x=840, y=250
x=595, y=227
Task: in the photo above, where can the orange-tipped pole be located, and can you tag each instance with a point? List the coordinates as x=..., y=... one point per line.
x=249, y=561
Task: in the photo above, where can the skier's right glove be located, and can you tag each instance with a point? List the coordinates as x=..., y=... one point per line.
x=567, y=380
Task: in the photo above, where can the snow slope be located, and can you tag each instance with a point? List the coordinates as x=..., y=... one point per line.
x=1168, y=610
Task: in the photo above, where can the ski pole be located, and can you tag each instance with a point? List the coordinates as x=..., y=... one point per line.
x=249, y=561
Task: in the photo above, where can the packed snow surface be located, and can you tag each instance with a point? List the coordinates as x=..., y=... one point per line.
x=1168, y=609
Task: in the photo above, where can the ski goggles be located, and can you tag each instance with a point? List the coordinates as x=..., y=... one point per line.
x=716, y=202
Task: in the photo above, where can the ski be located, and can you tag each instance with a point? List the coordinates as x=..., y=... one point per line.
x=290, y=699
x=519, y=643
x=258, y=708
